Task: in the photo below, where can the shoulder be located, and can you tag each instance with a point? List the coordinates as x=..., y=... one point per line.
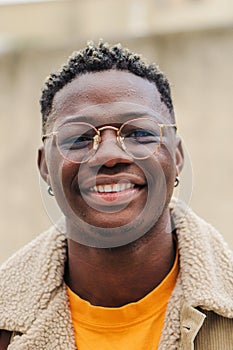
x=191, y=229
x=28, y=278
x=39, y=249
x=206, y=263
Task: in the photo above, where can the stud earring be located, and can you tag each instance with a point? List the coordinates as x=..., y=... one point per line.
x=50, y=191
x=177, y=181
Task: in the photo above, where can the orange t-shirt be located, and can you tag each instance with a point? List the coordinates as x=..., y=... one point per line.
x=133, y=326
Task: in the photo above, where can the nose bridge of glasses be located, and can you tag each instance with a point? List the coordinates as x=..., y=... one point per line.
x=108, y=148
x=107, y=139
x=111, y=127
x=106, y=131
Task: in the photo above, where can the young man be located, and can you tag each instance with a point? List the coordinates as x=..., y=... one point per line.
x=134, y=269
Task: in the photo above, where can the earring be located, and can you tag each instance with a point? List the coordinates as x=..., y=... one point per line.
x=50, y=191
x=177, y=181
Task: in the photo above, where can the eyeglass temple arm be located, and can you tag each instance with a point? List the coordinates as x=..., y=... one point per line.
x=43, y=137
x=169, y=125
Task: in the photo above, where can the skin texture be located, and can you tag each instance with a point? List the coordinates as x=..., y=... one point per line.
x=104, y=276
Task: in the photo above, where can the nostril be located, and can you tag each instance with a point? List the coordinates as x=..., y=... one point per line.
x=111, y=163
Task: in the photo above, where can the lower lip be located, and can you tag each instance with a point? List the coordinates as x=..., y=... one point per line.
x=113, y=198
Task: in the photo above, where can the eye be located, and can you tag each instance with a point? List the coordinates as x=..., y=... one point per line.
x=76, y=142
x=143, y=136
x=141, y=133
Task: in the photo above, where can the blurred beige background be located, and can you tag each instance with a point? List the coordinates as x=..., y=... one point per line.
x=191, y=40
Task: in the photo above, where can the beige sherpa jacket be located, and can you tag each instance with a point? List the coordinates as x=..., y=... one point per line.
x=34, y=303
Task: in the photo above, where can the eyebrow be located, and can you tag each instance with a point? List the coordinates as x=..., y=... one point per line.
x=121, y=117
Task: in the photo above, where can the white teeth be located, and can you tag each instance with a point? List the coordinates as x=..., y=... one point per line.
x=100, y=189
x=112, y=188
x=115, y=188
x=107, y=188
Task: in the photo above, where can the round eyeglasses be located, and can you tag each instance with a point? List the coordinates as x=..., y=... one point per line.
x=140, y=138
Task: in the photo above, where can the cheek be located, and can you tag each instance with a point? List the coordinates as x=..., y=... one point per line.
x=160, y=172
x=62, y=175
x=161, y=166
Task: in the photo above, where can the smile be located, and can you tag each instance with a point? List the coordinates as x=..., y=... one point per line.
x=115, y=190
x=112, y=194
x=111, y=188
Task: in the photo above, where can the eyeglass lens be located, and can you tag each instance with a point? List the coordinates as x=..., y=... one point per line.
x=75, y=141
x=141, y=137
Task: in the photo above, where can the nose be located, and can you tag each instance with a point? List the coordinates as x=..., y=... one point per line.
x=109, y=152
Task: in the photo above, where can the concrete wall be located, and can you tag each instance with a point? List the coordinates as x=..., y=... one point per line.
x=198, y=63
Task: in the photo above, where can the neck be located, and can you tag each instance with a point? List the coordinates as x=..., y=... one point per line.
x=117, y=276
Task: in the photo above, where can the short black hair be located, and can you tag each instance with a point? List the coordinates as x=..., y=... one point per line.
x=94, y=58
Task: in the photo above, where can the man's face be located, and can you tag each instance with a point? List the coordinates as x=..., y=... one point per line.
x=111, y=189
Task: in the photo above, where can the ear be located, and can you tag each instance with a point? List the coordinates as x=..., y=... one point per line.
x=42, y=165
x=179, y=156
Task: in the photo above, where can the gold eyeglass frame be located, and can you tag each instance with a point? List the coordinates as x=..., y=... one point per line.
x=120, y=139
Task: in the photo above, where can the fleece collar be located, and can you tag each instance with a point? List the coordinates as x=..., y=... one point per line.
x=33, y=298
x=206, y=274
x=206, y=263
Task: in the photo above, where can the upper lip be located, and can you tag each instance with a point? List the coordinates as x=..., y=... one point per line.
x=111, y=180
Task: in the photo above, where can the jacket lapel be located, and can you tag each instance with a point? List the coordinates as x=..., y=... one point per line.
x=191, y=321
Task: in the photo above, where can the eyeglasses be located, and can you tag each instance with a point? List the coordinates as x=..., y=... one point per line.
x=140, y=138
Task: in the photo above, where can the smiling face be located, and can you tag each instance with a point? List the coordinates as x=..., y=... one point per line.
x=111, y=189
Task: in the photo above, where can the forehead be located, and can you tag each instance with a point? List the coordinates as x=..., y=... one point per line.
x=106, y=87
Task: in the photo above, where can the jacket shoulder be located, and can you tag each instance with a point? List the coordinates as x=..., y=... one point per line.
x=35, y=251
x=28, y=278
